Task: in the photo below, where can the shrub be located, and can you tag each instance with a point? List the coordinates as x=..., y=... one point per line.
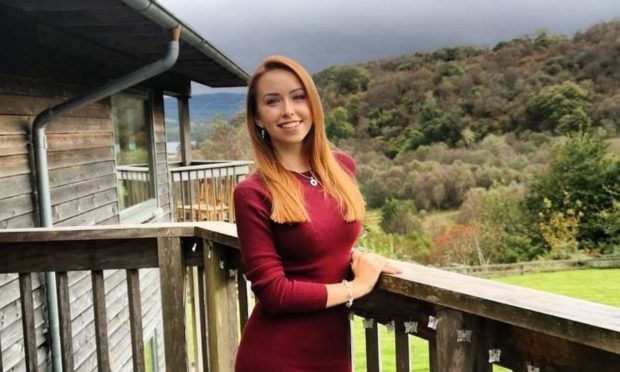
x=582, y=178
x=399, y=217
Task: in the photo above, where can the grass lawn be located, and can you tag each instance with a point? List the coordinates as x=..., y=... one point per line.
x=601, y=286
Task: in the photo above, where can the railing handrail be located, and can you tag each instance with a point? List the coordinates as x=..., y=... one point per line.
x=235, y=163
x=580, y=321
x=223, y=232
x=132, y=168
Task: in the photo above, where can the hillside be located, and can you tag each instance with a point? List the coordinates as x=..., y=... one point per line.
x=541, y=83
x=204, y=108
x=515, y=146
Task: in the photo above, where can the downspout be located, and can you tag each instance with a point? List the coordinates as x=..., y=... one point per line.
x=42, y=175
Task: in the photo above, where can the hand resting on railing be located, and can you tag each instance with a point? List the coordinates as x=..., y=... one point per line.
x=366, y=267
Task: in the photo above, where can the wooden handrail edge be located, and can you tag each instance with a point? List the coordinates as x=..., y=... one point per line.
x=569, y=318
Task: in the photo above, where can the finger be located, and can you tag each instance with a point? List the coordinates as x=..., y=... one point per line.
x=391, y=268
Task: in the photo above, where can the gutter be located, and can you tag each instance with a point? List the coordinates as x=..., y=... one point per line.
x=42, y=171
x=160, y=15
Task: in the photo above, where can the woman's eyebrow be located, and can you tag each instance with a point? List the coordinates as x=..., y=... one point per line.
x=296, y=89
x=271, y=94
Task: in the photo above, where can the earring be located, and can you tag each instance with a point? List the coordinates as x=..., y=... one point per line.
x=262, y=132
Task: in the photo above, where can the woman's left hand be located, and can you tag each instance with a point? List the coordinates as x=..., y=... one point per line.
x=388, y=266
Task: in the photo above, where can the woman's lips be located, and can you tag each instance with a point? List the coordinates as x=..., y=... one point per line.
x=290, y=124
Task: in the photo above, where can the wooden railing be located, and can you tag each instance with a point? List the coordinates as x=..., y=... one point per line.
x=134, y=183
x=467, y=321
x=203, y=190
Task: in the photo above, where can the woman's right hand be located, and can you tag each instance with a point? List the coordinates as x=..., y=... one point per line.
x=366, y=269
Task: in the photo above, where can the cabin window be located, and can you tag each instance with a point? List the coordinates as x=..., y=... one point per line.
x=134, y=157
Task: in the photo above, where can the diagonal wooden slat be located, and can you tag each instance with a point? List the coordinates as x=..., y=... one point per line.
x=135, y=319
x=25, y=289
x=64, y=321
x=101, y=322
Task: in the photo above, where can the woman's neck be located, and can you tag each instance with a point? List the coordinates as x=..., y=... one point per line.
x=293, y=159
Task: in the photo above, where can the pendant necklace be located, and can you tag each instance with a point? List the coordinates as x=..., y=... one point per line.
x=313, y=181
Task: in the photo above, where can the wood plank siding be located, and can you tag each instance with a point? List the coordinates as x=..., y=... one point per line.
x=83, y=192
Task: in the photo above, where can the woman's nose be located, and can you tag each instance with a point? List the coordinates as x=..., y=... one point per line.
x=288, y=109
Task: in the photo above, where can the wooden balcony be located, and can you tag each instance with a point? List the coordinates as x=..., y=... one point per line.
x=466, y=320
x=203, y=190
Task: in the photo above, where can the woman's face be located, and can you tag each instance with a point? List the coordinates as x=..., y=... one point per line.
x=282, y=108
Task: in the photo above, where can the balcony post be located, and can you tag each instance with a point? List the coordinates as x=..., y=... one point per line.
x=172, y=284
x=184, y=129
x=221, y=308
x=460, y=345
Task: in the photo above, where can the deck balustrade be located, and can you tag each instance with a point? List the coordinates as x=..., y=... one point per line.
x=134, y=183
x=203, y=191
x=467, y=321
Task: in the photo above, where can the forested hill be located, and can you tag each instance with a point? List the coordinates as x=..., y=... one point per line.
x=205, y=107
x=474, y=155
x=540, y=83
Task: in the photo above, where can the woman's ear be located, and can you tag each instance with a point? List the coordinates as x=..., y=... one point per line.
x=258, y=123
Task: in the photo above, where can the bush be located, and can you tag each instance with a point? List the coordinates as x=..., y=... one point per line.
x=581, y=179
x=410, y=247
x=399, y=217
x=504, y=230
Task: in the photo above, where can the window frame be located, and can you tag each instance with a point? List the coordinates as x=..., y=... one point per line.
x=148, y=209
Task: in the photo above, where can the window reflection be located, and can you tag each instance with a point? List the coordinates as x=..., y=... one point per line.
x=132, y=150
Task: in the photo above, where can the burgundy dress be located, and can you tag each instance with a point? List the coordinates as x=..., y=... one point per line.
x=288, y=266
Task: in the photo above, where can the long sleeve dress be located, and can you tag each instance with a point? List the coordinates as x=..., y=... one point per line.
x=288, y=265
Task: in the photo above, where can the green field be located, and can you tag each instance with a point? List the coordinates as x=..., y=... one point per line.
x=601, y=286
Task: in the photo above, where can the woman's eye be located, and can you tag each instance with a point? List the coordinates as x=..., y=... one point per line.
x=271, y=101
x=299, y=97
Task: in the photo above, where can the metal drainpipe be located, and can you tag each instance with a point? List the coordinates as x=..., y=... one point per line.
x=42, y=175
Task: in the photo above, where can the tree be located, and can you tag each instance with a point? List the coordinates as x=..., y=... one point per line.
x=399, y=217
x=581, y=180
x=560, y=108
x=347, y=79
x=225, y=141
x=337, y=124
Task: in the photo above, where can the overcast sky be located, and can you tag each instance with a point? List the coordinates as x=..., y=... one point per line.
x=322, y=33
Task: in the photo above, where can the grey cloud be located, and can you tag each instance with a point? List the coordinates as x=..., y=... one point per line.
x=321, y=33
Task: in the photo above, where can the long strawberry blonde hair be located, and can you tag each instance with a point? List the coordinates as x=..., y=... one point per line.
x=287, y=199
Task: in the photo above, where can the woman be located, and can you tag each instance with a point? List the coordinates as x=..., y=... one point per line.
x=298, y=217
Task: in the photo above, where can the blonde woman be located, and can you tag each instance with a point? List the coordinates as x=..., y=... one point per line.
x=298, y=217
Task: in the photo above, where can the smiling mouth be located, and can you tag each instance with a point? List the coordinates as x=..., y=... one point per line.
x=290, y=124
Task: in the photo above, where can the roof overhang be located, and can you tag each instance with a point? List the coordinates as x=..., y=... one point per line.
x=124, y=35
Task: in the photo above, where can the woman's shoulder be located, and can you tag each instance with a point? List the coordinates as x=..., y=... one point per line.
x=346, y=161
x=251, y=187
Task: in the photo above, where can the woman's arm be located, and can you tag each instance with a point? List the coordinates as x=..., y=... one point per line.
x=366, y=269
x=262, y=264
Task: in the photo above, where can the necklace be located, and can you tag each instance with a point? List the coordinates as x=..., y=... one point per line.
x=313, y=181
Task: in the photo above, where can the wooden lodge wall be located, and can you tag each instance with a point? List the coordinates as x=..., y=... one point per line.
x=83, y=191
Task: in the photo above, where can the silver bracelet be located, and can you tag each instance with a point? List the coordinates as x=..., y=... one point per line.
x=349, y=291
